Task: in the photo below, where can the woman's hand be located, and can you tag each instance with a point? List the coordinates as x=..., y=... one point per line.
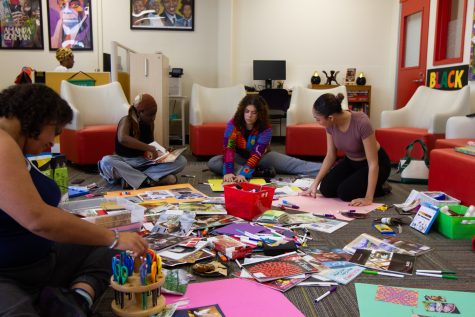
x=229, y=178
x=311, y=191
x=133, y=242
x=361, y=202
x=240, y=179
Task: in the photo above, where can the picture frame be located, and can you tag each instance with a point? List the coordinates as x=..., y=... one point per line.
x=350, y=78
x=21, y=26
x=171, y=15
x=75, y=29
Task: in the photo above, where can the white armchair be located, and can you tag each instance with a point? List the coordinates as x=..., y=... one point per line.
x=210, y=110
x=97, y=111
x=424, y=117
x=301, y=126
x=460, y=127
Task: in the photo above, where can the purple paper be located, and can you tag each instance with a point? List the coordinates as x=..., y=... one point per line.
x=232, y=229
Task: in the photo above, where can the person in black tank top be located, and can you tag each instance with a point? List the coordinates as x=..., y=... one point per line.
x=51, y=262
x=132, y=162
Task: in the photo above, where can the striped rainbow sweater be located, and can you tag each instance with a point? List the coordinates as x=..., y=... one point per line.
x=256, y=144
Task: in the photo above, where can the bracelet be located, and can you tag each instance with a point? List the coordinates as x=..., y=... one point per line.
x=116, y=240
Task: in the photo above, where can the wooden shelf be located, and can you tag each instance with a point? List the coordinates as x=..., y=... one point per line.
x=359, y=97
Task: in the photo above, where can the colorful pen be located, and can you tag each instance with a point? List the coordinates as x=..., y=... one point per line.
x=435, y=271
x=317, y=284
x=333, y=289
x=453, y=277
x=329, y=216
x=382, y=273
x=289, y=204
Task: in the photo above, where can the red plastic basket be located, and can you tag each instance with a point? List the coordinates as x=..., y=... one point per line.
x=250, y=201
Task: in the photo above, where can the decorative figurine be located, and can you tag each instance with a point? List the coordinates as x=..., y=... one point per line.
x=315, y=80
x=361, y=80
x=332, y=77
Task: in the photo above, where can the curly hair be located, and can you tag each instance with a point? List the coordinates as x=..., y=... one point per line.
x=328, y=104
x=262, y=109
x=34, y=105
x=63, y=53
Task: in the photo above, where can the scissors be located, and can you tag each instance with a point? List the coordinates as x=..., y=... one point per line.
x=153, y=272
x=143, y=273
x=120, y=271
x=129, y=264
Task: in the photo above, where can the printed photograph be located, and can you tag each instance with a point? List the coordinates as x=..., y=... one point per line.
x=177, y=15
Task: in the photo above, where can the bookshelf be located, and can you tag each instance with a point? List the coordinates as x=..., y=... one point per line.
x=359, y=97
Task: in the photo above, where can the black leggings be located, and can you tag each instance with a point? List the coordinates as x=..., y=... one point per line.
x=348, y=179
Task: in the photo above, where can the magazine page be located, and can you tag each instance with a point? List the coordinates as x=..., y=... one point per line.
x=203, y=209
x=174, y=222
x=384, y=261
x=325, y=225
x=366, y=241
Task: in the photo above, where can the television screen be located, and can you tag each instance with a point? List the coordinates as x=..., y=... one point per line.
x=269, y=70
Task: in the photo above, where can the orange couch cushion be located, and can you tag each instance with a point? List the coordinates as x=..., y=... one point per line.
x=395, y=140
x=306, y=139
x=207, y=139
x=453, y=173
x=451, y=143
x=88, y=145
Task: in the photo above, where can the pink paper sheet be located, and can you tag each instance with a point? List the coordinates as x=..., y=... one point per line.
x=322, y=205
x=238, y=297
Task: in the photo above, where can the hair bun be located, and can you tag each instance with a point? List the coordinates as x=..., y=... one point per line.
x=340, y=97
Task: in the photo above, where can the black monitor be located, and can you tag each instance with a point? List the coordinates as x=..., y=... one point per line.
x=106, y=62
x=269, y=71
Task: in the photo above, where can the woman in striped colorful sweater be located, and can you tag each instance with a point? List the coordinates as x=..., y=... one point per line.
x=247, y=146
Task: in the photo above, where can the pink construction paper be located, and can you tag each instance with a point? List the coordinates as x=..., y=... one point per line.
x=321, y=205
x=237, y=298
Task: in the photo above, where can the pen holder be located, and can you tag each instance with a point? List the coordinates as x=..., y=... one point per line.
x=249, y=201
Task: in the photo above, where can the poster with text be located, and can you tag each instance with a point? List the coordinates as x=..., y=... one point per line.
x=70, y=24
x=20, y=24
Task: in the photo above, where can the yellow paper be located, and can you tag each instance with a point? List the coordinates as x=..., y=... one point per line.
x=217, y=184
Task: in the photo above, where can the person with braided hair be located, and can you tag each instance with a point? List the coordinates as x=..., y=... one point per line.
x=65, y=58
x=130, y=165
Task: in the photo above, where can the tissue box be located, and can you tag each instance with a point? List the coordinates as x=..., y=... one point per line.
x=437, y=198
x=108, y=212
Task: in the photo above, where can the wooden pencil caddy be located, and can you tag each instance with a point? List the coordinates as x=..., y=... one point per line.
x=133, y=294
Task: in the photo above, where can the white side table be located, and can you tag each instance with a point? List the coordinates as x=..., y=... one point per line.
x=181, y=100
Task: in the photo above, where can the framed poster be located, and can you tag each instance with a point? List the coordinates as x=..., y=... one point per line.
x=69, y=24
x=350, y=77
x=176, y=15
x=21, y=24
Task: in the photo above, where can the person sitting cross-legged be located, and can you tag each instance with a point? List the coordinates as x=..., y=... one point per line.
x=129, y=165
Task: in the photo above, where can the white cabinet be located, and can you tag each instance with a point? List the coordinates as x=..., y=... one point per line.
x=149, y=74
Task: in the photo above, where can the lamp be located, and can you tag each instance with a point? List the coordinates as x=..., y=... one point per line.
x=361, y=80
x=315, y=80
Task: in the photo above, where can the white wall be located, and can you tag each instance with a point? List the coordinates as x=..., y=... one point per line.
x=320, y=35
x=195, y=52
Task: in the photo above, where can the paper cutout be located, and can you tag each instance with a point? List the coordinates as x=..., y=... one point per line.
x=237, y=298
x=397, y=295
x=322, y=205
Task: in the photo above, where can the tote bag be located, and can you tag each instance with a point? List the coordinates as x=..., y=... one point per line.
x=414, y=171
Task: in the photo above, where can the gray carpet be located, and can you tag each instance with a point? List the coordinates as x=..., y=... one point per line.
x=449, y=254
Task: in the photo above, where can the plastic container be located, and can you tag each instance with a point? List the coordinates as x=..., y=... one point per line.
x=248, y=202
x=437, y=198
x=452, y=227
x=134, y=213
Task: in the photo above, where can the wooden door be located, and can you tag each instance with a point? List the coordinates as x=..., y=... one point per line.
x=412, y=63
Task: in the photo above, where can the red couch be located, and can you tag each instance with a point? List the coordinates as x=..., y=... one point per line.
x=453, y=173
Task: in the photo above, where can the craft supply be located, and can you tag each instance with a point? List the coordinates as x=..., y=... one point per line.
x=317, y=284
x=239, y=264
x=382, y=273
x=436, y=271
x=453, y=277
x=333, y=289
x=289, y=204
x=329, y=216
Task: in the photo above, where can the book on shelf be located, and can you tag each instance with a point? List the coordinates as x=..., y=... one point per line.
x=384, y=261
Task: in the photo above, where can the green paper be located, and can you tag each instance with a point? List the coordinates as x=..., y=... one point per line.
x=369, y=306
